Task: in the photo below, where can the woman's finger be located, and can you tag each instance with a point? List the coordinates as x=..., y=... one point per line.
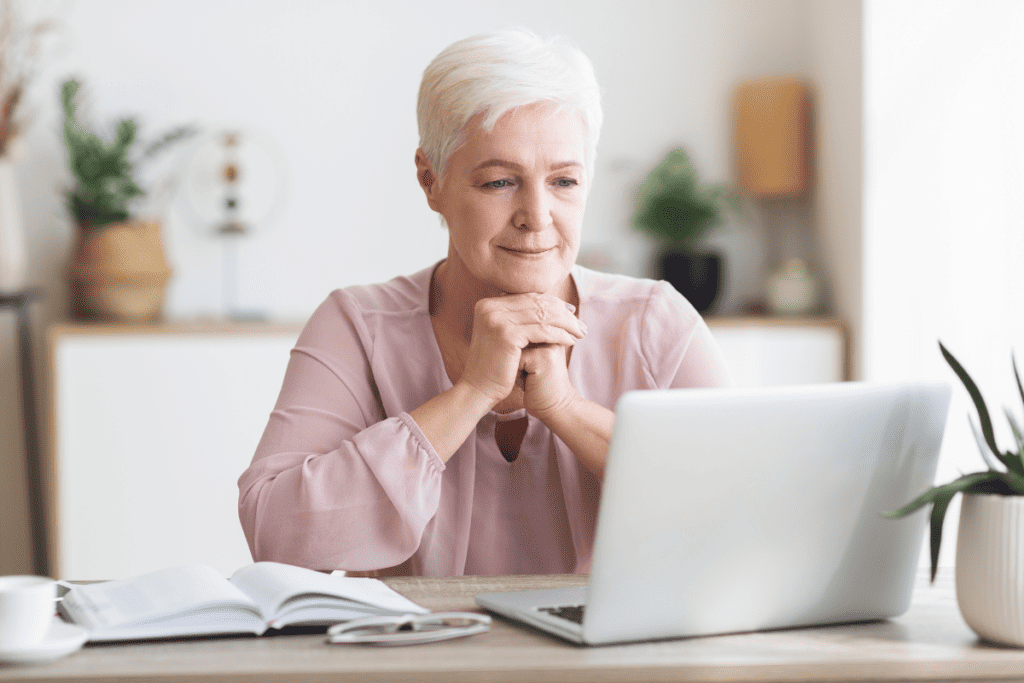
x=538, y=334
x=530, y=309
x=544, y=378
x=504, y=326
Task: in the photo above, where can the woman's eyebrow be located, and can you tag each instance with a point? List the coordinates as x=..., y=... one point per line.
x=511, y=165
x=498, y=162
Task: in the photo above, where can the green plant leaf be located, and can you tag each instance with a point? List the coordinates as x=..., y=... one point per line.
x=124, y=136
x=104, y=184
x=1009, y=461
x=1013, y=480
x=67, y=96
x=983, y=448
x=940, y=496
x=1016, y=375
x=1017, y=432
x=673, y=205
x=179, y=133
x=938, y=516
x=963, y=483
x=1017, y=429
x=997, y=486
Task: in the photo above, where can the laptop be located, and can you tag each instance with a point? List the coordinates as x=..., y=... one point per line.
x=734, y=510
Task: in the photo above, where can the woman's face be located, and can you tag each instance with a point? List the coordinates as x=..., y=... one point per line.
x=514, y=200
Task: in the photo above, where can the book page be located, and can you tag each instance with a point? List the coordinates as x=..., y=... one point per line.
x=152, y=597
x=271, y=585
x=376, y=592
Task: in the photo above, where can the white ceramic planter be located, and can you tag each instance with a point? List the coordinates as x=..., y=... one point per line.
x=990, y=567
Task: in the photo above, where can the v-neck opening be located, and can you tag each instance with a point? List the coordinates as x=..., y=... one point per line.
x=509, y=435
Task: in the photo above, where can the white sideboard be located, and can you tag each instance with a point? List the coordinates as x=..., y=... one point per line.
x=778, y=351
x=152, y=426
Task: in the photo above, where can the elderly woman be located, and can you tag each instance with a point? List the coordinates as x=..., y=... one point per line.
x=456, y=421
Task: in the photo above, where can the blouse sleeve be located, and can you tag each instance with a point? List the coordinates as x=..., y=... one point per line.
x=678, y=344
x=334, y=483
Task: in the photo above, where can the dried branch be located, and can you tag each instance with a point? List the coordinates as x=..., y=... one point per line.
x=20, y=52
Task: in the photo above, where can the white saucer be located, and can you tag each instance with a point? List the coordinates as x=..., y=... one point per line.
x=63, y=639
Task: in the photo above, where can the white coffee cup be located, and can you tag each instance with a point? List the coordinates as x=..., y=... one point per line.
x=27, y=606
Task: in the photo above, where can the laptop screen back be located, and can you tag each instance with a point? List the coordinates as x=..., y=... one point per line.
x=728, y=510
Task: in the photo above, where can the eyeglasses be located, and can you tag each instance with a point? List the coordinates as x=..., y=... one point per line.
x=409, y=629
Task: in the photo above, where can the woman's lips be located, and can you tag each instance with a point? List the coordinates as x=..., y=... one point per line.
x=527, y=252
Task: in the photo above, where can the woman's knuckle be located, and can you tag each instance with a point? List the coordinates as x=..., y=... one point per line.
x=543, y=310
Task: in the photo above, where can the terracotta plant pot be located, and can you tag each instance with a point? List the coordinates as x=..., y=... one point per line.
x=119, y=273
x=990, y=567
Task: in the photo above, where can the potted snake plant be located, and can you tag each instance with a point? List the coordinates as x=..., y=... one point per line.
x=990, y=539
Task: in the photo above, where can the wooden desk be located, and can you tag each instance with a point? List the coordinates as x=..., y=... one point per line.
x=929, y=643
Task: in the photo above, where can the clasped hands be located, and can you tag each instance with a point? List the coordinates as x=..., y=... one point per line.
x=520, y=343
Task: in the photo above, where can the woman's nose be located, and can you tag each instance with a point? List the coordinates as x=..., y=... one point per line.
x=533, y=211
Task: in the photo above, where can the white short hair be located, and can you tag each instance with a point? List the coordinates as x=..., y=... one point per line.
x=494, y=73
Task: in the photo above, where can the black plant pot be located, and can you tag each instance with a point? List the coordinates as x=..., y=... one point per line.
x=698, y=277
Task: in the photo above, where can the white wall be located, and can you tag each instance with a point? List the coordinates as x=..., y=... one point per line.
x=837, y=66
x=335, y=84
x=943, y=232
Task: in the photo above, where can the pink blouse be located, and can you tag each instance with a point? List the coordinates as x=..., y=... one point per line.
x=343, y=478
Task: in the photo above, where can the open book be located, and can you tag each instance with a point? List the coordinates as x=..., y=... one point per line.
x=193, y=600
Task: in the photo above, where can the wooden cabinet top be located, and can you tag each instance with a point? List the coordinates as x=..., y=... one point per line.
x=226, y=327
x=182, y=327
x=714, y=321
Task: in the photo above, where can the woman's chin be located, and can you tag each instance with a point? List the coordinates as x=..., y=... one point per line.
x=525, y=283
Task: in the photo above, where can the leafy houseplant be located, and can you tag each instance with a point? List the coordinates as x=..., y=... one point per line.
x=104, y=172
x=990, y=543
x=119, y=270
x=995, y=481
x=678, y=210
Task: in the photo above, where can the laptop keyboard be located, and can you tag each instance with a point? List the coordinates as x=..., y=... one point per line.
x=570, y=612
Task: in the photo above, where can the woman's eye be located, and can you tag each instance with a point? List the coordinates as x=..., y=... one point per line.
x=498, y=184
x=566, y=182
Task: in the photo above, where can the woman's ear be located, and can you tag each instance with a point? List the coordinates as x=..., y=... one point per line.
x=427, y=179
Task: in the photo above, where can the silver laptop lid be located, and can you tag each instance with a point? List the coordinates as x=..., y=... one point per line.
x=729, y=510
